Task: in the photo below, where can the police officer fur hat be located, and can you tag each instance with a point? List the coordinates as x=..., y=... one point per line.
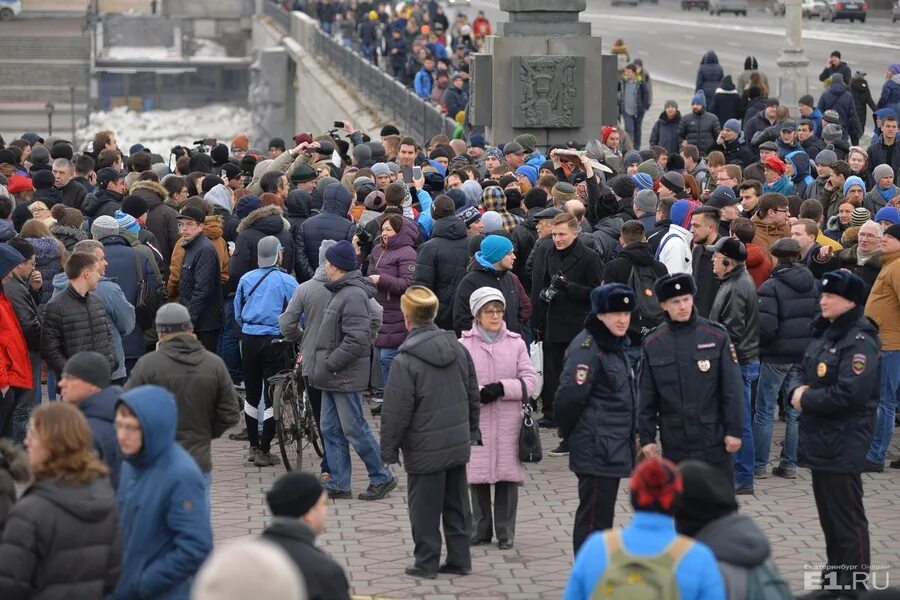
x=612, y=297
x=846, y=285
x=673, y=285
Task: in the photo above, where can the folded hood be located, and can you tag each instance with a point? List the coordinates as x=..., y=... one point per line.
x=298, y=203
x=450, y=228
x=736, y=539
x=710, y=58
x=89, y=502
x=266, y=219
x=157, y=412
x=639, y=253
x=154, y=193
x=183, y=348
x=798, y=278
x=221, y=196
x=102, y=405
x=431, y=345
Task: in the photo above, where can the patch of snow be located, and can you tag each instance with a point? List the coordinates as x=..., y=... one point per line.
x=208, y=48
x=160, y=130
x=139, y=53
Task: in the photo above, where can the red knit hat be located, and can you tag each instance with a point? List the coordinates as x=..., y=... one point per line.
x=604, y=133
x=776, y=164
x=656, y=486
x=241, y=141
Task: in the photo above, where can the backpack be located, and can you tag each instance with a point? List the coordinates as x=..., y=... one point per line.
x=765, y=583
x=630, y=577
x=648, y=314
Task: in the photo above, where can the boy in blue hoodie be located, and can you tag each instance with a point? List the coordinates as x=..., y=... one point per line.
x=162, y=501
x=655, y=490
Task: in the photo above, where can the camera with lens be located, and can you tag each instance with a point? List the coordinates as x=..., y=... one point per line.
x=365, y=238
x=557, y=282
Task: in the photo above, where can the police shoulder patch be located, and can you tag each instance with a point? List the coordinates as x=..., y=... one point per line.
x=858, y=364
x=581, y=373
x=734, y=358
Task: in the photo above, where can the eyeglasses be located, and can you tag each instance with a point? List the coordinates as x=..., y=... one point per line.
x=784, y=210
x=493, y=312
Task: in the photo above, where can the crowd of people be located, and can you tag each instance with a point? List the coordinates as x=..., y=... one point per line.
x=684, y=293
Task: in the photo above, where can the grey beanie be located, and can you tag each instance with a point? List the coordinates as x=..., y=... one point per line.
x=882, y=170
x=103, y=227
x=39, y=155
x=832, y=132
x=90, y=367
x=323, y=183
x=646, y=200
x=493, y=222
x=173, y=318
x=380, y=168
x=826, y=158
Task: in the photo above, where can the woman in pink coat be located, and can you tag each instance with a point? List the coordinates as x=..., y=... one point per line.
x=504, y=374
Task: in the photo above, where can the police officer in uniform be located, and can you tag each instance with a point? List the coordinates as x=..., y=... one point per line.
x=596, y=407
x=835, y=389
x=691, y=386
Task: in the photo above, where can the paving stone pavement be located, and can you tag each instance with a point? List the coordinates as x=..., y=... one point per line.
x=372, y=539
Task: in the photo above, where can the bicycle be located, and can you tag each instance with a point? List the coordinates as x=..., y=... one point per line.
x=295, y=424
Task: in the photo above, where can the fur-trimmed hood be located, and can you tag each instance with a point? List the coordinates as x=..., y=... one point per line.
x=254, y=219
x=154, y=193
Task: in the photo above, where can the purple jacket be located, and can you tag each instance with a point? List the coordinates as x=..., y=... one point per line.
x=395, y=266
x=505, y=361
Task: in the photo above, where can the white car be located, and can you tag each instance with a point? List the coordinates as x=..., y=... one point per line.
x=813, y=8
x=9, y=9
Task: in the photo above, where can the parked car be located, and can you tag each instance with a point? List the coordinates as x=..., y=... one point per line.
x=625, y=2
x=778, y=8
x=854, y=10
x=691, y=4
x=738, y=7
x=9, y=9
x=812, y=8
x=895, y=12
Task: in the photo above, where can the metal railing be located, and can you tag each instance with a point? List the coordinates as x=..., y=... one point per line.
x=275, y=11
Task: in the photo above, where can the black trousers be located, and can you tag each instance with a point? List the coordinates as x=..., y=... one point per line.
x=596, y=506
x=209, y=339
x=839, y=500
x=554, y=352
x=260, y=359
x=502, y=515
x=433, y=499
x=315, y=400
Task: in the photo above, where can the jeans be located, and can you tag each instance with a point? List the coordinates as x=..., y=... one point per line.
x=229, y=346
x=743, y=459
x=887, y=406
x=342, y=413
x=385, y=358
x=632, y=125
x=36, y=376
x=771, y=380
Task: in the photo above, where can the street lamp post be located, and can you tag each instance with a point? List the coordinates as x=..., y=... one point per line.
x=72, y=107
x=793, y=80
x=49, y=108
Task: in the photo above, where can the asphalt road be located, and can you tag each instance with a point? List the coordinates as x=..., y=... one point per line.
x=671, y=42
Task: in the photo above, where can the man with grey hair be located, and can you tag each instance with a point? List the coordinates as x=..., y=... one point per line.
x=863, y=258
x=73, y=193
x=207, y=403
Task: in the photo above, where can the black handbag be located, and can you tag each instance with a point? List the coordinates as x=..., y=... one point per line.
x=530, y=450
x=147, y=302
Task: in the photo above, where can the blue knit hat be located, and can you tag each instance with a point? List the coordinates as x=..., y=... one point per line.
x=681, y=213
x=732, y=125
x=699, y=98
x=529, y=172
x=888, y=213
x=246, y=205
x=854, y=180
x=126, y=222
x=612, y=297
x=642, y=181
x=343, y=256
x=10, y=258
x=493, y=248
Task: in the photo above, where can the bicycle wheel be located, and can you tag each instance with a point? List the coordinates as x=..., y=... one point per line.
x=290, y=438
x=309, y=426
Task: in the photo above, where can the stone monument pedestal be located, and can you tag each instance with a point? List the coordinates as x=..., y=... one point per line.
x=543, y=74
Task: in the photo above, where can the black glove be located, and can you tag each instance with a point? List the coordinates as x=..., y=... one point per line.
x=559, y=281
x=491, y=392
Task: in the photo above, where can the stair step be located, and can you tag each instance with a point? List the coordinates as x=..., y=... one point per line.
x=47, y=48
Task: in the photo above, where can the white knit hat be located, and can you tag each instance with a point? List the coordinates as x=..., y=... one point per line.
x=482, y=296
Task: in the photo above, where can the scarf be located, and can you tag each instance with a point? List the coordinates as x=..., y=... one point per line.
x=862, y=258
x=782, y=185
x=887, y=194
x=489, y=337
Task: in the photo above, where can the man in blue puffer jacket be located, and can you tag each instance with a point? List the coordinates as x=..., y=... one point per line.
x=162, y=501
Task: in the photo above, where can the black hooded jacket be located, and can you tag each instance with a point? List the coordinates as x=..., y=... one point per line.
x=441, y=265
x=260, y=223
x=788, y=303
x=297, y=209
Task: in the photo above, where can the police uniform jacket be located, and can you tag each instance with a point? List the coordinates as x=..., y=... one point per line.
x=837, y=418
x=596, y=403
x=691, y=387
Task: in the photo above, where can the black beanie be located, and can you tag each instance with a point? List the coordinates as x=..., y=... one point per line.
x=623, y=186
x=293, y=494
x=91, y=367
x=536, y=198
x=707, y=495
x=209, y=182
x=675, y=163
x=513, y=198
x=219, y=154
x=134, y=206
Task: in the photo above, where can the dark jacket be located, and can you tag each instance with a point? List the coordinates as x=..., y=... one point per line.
x=73, y=194
x=455, y=100
x=665, y=132
x=837, y=419
x=73, y=323
x=166, y=530
x=441, y=264
x=839, y=98
x=618, y=270
x=691, y=388
x=396, y=267
x=878, y=155
x=862, y=98
x=709, y=75
x=755, y=124
x=7, y=230
x=48, y=261
x=207, y=403
x=431, y=406
x=523, y=238
x=330, y=224
x=324, y=577
x=100, y=411
x=258, y=224
x=24, y=302
x=706, y=280
x=61, y=541
x=101, y=202
x=341, y=362
x=69, y=236
x=737, y=308
x=812, y=146
x=200, y=287
x=842, y=68
x=596, y=403
x=788, y=302
x=847, y=259
x=297, y=210
x=162, y=219
x=700, y=130
x=561, y=319
x=480, y=276
x=726, y=102
x=736, y=153
x=123, y=264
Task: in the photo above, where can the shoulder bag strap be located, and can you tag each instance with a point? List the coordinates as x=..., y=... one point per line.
x=137, y=266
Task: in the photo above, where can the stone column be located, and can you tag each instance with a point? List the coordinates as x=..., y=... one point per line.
x=793, y=79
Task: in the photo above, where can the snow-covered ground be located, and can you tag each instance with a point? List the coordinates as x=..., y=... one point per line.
x=160, y=130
